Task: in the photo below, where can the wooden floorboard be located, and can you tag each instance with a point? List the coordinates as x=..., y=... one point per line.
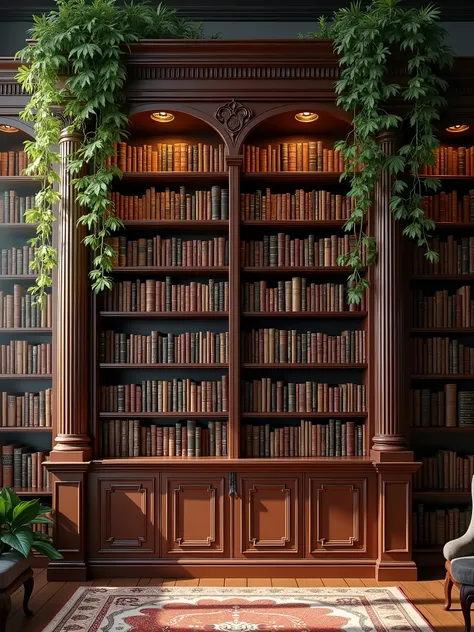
x=49, y=597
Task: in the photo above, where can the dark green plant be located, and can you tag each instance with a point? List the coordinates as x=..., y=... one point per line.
x=365, y=36
x=77, y=62
x=17, y=518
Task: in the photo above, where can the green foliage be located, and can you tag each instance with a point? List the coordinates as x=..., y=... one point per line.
x=76, y=64
x=365, y=36
x=17, y=518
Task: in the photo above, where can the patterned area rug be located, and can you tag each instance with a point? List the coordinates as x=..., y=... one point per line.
x=238, y=610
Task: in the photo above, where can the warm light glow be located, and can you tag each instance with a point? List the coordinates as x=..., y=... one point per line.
x=8, y=129
x=455, y=129
x=306, y=117
x=162, y=117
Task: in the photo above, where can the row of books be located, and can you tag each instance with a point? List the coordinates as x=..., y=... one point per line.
x=201, y=347
x=47, y=529
x=444, y=309
x=456, y=256
x=130, y=438
x=172, y=205
x=311, y=156
x=17, y=260
x=174, y=251
x=296, y=295
x=301, y=205
x=335, y=438
x=452, y=161
x=448, y=207
x=21, y=357
x=28, y=410
x=435, y=527
x=14, y=206
x=18, y=310
x=441, y=355
x=22, y=467
x=447, y=407
x=169, y=157
x=164, y=296
x=161, y=396
x=270, y=345
x=275, y=396
x=13, y=163
x=445, y=471
x=281, y=250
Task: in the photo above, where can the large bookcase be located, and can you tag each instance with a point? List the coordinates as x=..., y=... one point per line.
x=246, y=508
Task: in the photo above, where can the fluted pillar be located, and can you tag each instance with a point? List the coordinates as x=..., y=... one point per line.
x=389, y=377
x=72, y=362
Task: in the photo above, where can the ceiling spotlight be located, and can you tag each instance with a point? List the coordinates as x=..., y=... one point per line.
x=8, y=129
x=455, y=129
x=306, y=117
x=162, y=117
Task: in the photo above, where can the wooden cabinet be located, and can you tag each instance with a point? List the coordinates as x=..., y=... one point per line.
x=123, y=514
x=337, y=516
x=195, y=515
x=268, y=516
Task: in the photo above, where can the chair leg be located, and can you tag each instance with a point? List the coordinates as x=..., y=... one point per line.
x=467, y=597
x=28, y=587
x=5, y=605
x=448, y=587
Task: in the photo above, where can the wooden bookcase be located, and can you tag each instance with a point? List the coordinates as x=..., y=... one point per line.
x=233, y=515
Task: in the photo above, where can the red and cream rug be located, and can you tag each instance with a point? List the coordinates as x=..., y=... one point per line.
x=238, y=610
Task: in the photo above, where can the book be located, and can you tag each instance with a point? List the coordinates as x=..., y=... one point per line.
x=182, y=157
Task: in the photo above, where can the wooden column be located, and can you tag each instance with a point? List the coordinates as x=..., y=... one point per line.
x=69, y=460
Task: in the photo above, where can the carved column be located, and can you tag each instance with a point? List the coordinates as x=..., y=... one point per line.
x=389, y=377
x=71, y=453
x=72, y=320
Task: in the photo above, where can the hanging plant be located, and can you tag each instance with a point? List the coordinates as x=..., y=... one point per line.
x=365, y=36
x=77, y=63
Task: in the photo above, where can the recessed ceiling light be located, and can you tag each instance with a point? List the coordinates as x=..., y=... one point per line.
x=306, y=117
x=162, y=117
x=8, y=129
x=455, y=129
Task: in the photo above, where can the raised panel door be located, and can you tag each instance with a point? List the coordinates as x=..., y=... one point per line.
x=126, y=510
x=337, y=522
x=268, y=516
x=195, y=512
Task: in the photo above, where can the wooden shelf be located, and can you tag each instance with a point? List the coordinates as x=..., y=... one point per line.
x=304, y=270
x=177, y=224
x=445, y=429
x=442, y=330
x=437, y=550
x=26, y=429
x=442, y=494
x=175, y=176
x=32, y=491
x=294, y=223
x=338, y=315
x=290, y=177
x=301, y=365
x=443, y=376
x=26, y=376
x=449, y=177
x=173, y=270
x=18, y=227
x=17, y=180
x=165, y=315
x=171, y=365
x=277, y=416
x=26, y=330
x=443, y=277
x=184, y=415
x=18, y=277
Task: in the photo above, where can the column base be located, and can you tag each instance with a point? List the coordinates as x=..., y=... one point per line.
x=396, y=571
x=387, y=456
x=63, y=571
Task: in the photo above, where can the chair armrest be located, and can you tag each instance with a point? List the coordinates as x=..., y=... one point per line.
x=460, y=547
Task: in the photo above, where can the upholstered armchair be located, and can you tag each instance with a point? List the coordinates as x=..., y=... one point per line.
x=459, y=554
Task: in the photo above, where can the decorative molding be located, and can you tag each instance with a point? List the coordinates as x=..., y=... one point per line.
x=152, y=73
x=109, y=498
x=211, y=538
x=234, y=116
x=286, y=537
x=325, y=540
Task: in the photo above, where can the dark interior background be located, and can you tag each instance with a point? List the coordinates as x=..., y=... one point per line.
x=246, y=18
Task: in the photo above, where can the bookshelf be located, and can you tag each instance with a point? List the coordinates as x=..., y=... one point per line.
x=441, y=323
x=25, y=338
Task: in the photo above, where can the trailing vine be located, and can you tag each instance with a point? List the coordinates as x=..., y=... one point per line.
x=76, y=63
x=365, y=37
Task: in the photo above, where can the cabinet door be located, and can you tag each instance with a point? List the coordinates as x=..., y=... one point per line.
x=268, y=516
x=337, y=522
x=195, y=510
x=126, y=511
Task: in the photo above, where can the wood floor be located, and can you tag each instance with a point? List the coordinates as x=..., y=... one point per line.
x=48, y=597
